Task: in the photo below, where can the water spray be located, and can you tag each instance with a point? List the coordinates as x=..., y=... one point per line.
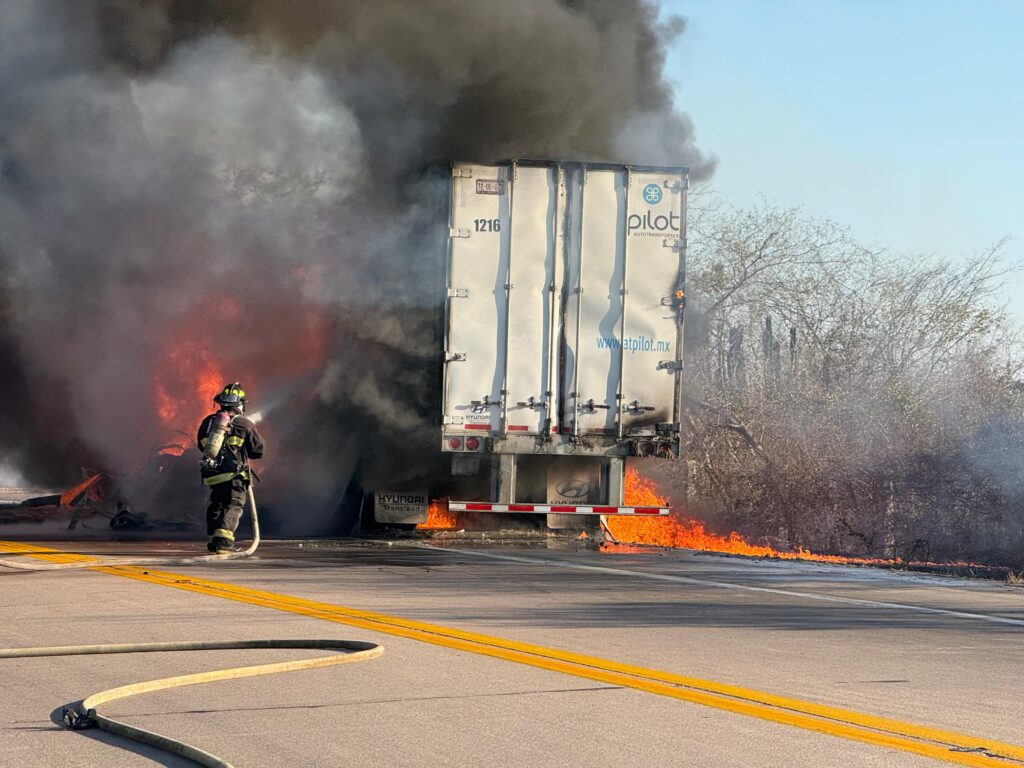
x=280, y=397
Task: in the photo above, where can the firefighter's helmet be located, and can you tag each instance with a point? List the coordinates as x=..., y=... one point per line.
x=232, y=396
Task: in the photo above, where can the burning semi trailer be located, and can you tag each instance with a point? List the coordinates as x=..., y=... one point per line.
x=257, y=203
x=562, y=341
x=559, y=360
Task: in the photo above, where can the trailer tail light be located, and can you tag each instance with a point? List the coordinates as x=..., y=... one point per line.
x=665, y=450
x=455, y=443
x=472, y=443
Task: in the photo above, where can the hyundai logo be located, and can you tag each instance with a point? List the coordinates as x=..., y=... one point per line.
x=573, y=489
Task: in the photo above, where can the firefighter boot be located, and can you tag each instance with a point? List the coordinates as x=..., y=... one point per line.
x=220, y=544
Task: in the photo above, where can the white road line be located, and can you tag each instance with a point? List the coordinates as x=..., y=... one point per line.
x=726, y=585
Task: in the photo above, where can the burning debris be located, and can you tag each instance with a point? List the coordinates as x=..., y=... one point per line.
x=161, y=494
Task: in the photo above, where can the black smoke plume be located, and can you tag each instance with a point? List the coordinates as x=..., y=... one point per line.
x=245, y=182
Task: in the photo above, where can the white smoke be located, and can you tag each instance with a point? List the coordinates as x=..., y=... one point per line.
x=11, y=478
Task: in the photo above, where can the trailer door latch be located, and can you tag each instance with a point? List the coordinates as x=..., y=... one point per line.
x=532, y=402
x=635, y=407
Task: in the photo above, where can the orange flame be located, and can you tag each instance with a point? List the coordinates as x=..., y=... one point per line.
x=671, y=531
x=439, y=517
x=676, y=531
x=188, y=379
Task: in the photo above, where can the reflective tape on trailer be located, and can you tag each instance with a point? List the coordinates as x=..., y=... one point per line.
x=557, y=509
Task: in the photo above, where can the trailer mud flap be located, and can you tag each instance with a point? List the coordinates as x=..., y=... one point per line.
x=400, y=507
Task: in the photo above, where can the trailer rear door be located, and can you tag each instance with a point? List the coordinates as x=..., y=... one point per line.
x=534, y=277
x=562, y=315
x=655, y=221
x=477, y=298
x=594, y=302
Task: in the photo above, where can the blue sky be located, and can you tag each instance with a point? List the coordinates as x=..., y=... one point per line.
x=903, y=119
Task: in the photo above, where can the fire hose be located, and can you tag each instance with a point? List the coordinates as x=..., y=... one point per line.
x=117, y=561
x=82, y=715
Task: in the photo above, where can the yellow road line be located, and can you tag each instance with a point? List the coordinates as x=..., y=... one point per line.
x=930, y=742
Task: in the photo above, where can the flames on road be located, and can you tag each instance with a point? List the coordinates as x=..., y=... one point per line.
x=671, y=531
x=677, y=531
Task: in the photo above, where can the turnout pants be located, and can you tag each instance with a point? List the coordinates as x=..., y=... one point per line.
x=227, y=500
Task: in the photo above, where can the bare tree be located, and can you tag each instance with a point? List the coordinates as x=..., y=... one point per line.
x=849, y=399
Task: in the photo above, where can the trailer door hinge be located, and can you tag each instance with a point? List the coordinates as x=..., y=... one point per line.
x=462, y=173
x=458, y=293
x=674, y=243
x=455, y=357
x=453, y=420
x=670, y=365
x=458, y=232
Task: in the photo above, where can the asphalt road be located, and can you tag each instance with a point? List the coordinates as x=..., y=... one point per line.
x=525, y=655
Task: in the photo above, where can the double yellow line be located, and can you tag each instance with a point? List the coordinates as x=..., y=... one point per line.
x=942, y=745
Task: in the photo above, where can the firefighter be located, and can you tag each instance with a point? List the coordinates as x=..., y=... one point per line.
x=228, y=440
